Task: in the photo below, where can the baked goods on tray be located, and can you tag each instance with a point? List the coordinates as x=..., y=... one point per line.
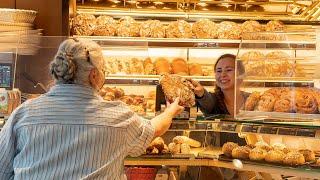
x=179, y=66
x=179, y=29
x=128, y=27
x=204, y=28
x=105, y=26
x=175, y=86
x=84, y=24
x=162, y=66
x=152, y=28
x=229, y=30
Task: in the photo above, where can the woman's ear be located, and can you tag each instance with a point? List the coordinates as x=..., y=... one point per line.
x=96, y=78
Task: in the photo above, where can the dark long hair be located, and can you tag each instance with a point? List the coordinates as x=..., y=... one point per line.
x=240, y=70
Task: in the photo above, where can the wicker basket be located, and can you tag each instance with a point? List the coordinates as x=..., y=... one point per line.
x=137, y=173
x=17, y=15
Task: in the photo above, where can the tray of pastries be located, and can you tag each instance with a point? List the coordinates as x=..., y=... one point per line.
x=277, y=154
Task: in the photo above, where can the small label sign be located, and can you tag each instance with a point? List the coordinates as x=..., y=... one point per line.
x=268, y=130
x=228, y=127
x=249, y=128
x=287, y=131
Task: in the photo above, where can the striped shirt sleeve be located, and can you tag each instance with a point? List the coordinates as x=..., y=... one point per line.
x=140, y=133
x=7, y=146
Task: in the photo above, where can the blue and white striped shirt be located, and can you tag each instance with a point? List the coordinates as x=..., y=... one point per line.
x=71, y=133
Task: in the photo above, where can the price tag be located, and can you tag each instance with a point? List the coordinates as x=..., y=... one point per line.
x=228, y=127
x=268, y=130
x=306, y=132
x=249, y=128
x=287, y=131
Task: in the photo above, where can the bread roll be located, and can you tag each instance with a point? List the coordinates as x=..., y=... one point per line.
x=294, y=158
x=84, y=24
x=179, y=66
x=228, y=147
x=174, y=148
x=148, y=67
x=241, y=152
x=252, y=101
x=204, y=28
x=229, y=30
x=128, y=27
x=136, y=66
x=254, y=62
x=275, y=26
x=280, y=147
x=251, y=29
x=195, y=69
x=179, y=29
x=275, y=156
x=105, y=26
x=162, y=66
x=257, y=154
x=152, y=28
x=308, y=155
x=185, y=148
x=263, y=145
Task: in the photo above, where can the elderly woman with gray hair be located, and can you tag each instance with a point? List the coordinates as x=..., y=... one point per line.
x=71, y=132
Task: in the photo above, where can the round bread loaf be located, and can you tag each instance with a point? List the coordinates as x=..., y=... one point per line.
x=105, y=26
x=179, y=29
x=204, y=28
x=308, y=155
x=229, y=30
x=228, y=147
x=257, y=154
x=179, y=66
x=152, y=28
x=294, y=158
x=84, y=24
x=241, y=152
x=162, y=66
x=128, y=27
x=275, y=156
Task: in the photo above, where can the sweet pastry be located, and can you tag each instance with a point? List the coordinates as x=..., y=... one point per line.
x=175, y=86
x=241, y=152
x=162, y=66
x=266, y=102
x=136, y=66
x=252, y=101
x=105, y=26
x=280, y=147
x=229, y=30
x=254, y=63
x=195, y=69
x=179, y=29
x=187, y=140
x=174, y=148
x=152, y=28
x=228, y=147
x=148, y=67
x=275, y=156
x=158, y=143
x=257, y=154
x=250, y=29
x=179, y=66
x=127, y=100
x=275, y=26
x=263, y=145
x=305, y=102
x=284, y=104
x=128, y=27
x=308, y=155
x=185, y=148
x=294, y=158
x=316, y=95
x=204, y=28
x=84, y=24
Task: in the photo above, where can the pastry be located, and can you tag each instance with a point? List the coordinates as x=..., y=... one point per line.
x=229, y=30
x=266, y=102
x=250, y=29
x=185, y=148
x=257, y=154
x=308, y=155
x=316, y=95
x=275, y=156
x=275, y=26
x=179, y=66
x=127, y=100
x=284, y=104
x=305, y=102
x=204, y=28
x=148, y=67
x=158, y=143
x=187, y=140
x=228, y=147
x=105, y=26
x=241, y=152
x=318, y=162
x=195, y=69
x=118, y=92
x=174, y=148
x=280, y=147
x=179, y=29
x=128, y=27
x=254, y=63
x=175, y=86
x=162, y=66
x=136, y=66
x=263, y=145
x=152, y=28
x=294, y=158
x=252, y=101
x=84, y=24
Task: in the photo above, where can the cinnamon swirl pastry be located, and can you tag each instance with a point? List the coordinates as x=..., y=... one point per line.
x=316, y=95
x=284, y=104
x=305, y=102
x=252, y=101
x=266, y=102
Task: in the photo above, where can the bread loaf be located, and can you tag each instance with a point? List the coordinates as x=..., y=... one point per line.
x=179, y=66
x=162, y=66
x=186, y=140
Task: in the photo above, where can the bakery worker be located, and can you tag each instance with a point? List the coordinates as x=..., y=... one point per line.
x=71, y=132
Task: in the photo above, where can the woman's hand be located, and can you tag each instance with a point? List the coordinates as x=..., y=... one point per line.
x=197, y=88
x=174, y=108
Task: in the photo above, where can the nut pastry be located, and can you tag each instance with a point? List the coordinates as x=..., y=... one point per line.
x=266, y=102
x=229, y=30
x=175, y=86
x=152, y=28
x=105, y=26
x=204, y=28
x=84, y=24
x=305, y=102
x=179, y=29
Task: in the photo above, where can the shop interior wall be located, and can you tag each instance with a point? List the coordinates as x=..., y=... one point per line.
x=53, y=18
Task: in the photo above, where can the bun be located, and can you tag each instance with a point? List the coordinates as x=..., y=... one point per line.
x=195, y=69
x=175, y=86
x=241, y=152
x=204, y=28
x=263, y=145
x=308, y=155
x=136, y=66
x=148, y=67
x=275, y=156
x=294, y=158
x=280, y=147
x=128, y=27
x=228, y=147
x=162, y=66
x=251, y=27
x=152, y=28
x=179, y=29
x=105, y=26
x=174, y=148
x=257, y=154
x=84, y=24
x=305, y=102
x=275, y=26
x=179, y=66
x=266, y=102
x=229, y=30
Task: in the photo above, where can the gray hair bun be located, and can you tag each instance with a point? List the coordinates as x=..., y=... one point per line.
x=63, y=68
